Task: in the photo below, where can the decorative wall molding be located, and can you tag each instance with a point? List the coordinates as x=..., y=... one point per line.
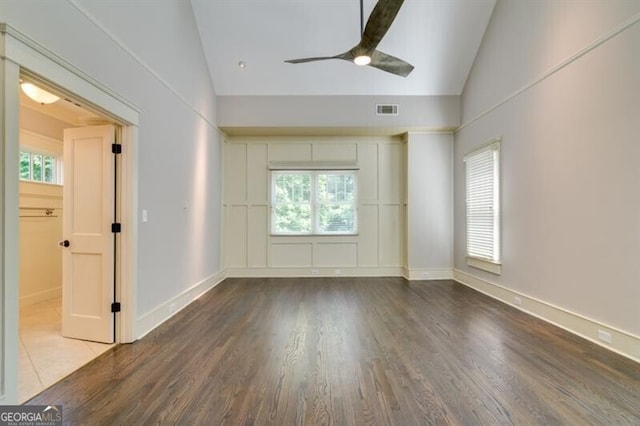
x=623, y=343
x=166, y=310
x=379, y=245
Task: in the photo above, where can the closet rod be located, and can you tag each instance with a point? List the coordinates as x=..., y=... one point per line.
x=48, y=211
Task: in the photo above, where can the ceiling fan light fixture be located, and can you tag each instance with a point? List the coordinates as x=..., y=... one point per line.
x=365, y=52
x=362, y=60
x=37, y=94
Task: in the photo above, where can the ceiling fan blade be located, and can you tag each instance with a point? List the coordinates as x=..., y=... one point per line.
x=347, y=56
x=303, y=60
x=380, y=20
x=390, y=64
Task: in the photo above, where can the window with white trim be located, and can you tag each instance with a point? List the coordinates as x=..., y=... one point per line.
x=39, y=167
x=314, y=202
x=482, y=172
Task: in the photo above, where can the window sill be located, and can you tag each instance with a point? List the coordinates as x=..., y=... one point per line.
x=485, y=265
x=38, y=182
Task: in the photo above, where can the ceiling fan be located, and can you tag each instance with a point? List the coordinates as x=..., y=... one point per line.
x=365, y=52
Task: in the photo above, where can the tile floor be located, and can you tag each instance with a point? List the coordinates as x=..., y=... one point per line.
x=46, y=356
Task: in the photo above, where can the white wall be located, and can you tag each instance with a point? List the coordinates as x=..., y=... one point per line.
x=379, y=247
x=560, y=83
x=429, y=205
x=419, y=112
x=150, y=54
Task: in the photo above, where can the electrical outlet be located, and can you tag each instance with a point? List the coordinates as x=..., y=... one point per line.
x=604, y=336
x=517, y=301
x=425, y=275
x=145, y=216
x=337, y=271
x=314, y=272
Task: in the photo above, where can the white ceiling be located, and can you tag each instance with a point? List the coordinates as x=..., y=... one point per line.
x=439, y=37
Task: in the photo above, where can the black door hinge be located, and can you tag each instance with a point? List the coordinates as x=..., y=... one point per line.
x=115, y=307
x=116, y=228
x=116, y=148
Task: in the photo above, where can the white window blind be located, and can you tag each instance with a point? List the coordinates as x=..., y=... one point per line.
x=483, y=202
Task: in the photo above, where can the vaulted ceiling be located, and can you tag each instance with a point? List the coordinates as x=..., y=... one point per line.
x=439, y=37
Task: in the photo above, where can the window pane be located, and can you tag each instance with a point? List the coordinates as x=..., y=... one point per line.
x=37, y=167
x=49, y=169
x=292, y=218
x=336, y=218
x=25, y=165
x=292, y=187
x=314, y=202
x=336, y=188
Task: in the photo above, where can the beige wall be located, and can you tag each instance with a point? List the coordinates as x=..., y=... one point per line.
x=40, y=257
x=379, y=247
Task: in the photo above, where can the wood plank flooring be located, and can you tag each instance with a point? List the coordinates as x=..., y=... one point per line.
x=352, y=351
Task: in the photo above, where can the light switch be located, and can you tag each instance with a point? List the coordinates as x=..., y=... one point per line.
x=145, y=216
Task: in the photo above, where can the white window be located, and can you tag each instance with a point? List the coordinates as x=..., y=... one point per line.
x=39, y=167
x=314, y=202
x=482, y=168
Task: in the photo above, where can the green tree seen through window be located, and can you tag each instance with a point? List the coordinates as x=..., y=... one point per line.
x=25, y=165
x=314, y=202
x=37, y=167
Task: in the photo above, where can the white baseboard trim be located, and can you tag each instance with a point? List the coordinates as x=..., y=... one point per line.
x=41, y=296
x=151, y=320
x=428, y=274
x=314, y=272
x=622, y=342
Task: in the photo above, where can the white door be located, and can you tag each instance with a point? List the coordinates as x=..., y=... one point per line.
x=88, y=245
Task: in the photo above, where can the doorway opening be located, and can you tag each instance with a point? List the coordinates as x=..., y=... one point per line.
x=25, y=58
x=68, y=247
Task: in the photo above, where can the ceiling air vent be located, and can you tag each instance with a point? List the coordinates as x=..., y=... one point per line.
x=387, y=109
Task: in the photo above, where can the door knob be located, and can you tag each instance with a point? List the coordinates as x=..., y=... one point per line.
x=64, y=243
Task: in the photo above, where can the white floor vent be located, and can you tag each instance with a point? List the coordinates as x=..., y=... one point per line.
x=387, y=109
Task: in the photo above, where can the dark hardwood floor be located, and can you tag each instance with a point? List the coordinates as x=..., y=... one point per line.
x=352, y=351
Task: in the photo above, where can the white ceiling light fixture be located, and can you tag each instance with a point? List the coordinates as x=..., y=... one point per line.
x=37, y=94
x=242, y=65
x=362, y=60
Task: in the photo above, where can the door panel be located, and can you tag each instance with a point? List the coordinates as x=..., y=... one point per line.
x=88, y=261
